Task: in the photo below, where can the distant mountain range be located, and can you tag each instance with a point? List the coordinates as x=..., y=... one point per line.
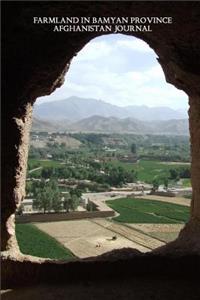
x=90, y=115
x=76, y=109
x=100, y=124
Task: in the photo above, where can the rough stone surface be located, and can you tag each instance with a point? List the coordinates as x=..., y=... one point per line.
x=35, y=61
x=194, y=119
x=124, y=263
x=133, y=288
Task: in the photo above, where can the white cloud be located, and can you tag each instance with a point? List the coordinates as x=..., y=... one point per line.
x=135, y=45
x=155, y=72
x=97, y=72
x=93, y=51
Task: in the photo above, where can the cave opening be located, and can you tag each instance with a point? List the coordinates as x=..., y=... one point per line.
x=40, y=73
x=94, y=140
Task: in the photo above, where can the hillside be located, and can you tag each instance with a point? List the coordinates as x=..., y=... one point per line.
x=128, y=125
x=178, y=127
x=112, y=124
x=43, y=125
x=100, y=124
x=50, y=125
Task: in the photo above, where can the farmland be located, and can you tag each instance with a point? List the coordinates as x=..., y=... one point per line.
x=146, y=170
x=33, y=163
x=150, y=169
x=93, y=237
x=133, y=210
x=112, y=159
x=107, y=164
x=142, y=224
x=33, y=241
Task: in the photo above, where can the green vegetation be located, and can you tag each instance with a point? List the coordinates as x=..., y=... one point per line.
x=188, y=196
x=72, y=200
x=33, y=241
x=115, y=172
x=148, y=147
x=87, y=169
x=133, y=148
x=107, y=160
x=34, y=163
x=133, y=210
x=186, y=182
x=147, y=170
x=47, y=196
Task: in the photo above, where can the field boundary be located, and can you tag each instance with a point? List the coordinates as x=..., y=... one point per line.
x=118, y=231
x=50, y=217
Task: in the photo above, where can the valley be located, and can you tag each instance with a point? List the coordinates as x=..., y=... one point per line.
x=102, y=177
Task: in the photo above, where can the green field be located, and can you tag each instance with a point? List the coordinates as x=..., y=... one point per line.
x=186, y=182
x=34, y=163
x=33, y=241
x=133, y=210
x=147, y=170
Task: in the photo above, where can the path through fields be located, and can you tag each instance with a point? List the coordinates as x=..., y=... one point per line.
x=175, y=200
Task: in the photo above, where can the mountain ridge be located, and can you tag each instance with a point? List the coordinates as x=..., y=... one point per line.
x=76, y=108
x=99, y=124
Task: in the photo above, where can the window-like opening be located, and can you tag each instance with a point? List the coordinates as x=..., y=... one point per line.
x=109, y=161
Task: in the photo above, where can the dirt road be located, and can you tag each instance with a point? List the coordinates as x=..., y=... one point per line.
x=175, y=200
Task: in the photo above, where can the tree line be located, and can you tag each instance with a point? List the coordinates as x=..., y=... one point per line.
x=175, y=174
x=96, y=172
x=47, y=196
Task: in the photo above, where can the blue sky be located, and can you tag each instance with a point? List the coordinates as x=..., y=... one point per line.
x=121, y=70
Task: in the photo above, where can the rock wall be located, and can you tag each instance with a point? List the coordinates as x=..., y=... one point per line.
x=194, y=119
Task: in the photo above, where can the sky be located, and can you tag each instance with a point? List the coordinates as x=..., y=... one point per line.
x=121, y=70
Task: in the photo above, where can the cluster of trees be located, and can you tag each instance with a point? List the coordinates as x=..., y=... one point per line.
x=37, y=153
x=71, y=201
x=164, y=157
x=87, y=163
x=47, y=197
x=160, y=181
x=151, y=147
x=93, y=187
x=177, y=173
x=133, y=148
x=174, y=174
x=57, y=151
x=165, y=148
x=93, y=171
x=117, y=175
